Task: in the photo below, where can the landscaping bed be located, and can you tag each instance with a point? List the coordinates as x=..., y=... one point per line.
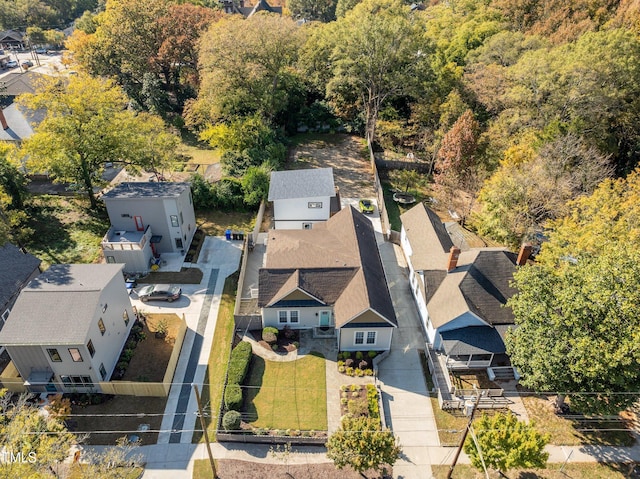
x=359, y=400
x=584, y=470
x=184, y=276
x=233, y=469
x=195, y=247
x=115, y=417
x=282, y=342
x=356, y=363
x=148, y=359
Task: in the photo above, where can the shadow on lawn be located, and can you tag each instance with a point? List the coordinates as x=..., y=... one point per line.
x=254, y=381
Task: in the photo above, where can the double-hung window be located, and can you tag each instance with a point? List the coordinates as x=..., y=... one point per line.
x=286, y=316
x=365, y=337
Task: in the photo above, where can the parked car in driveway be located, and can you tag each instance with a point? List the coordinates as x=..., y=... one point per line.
x=159, y=292
x=366, y=206
x=12, y=64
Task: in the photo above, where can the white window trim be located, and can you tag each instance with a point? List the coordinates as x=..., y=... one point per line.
x=365, y=335
x=288, y=316
x=5, y=316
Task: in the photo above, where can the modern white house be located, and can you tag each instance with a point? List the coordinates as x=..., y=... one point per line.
x=460, y=292
x=329, y=279
x=17, y=268
x=68, y=327
x=147, y=219
x=302, y=198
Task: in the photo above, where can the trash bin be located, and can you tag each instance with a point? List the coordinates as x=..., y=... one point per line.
x=227, y=234
x=241, y=235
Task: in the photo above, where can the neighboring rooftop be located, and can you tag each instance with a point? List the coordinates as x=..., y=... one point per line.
x=480, y=284
x=336, y=262
x=58, y=305
x=428, y=237
x=15, y=269
x=308, y=183
x=161, y=189
x=19, y=123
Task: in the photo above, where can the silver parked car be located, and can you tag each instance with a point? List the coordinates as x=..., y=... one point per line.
x=160, y=292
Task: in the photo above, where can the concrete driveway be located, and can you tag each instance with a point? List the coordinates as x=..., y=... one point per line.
x=407, y=405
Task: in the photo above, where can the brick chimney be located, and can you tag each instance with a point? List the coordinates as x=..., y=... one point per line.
x=454, y=253
x=523, y=255
x=3, y=120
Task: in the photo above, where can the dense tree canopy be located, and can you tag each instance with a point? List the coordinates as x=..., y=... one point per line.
x=247, y=67
x=87, y=125
x=136, y=37
x=578, y=308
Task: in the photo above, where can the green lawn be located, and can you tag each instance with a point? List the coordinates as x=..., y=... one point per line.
x=287, y=395
x=202, y=469
x=198, y=155
x=65, y=229
x=579, y=470
x=219, y=357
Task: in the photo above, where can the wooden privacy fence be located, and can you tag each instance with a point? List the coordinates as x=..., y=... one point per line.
x=384, y=217
x=137, y=388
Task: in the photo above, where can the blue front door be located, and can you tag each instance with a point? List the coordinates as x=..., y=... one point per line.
x=325, y=318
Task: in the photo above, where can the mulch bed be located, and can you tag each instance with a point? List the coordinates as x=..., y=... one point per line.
x=232, y=469
x=285, y=345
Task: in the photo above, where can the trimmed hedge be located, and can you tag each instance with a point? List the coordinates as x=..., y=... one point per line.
x=233, y=397
x=239, y=363
x=231, y=421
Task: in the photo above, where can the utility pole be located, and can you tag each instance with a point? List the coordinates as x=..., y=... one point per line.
x=204, y=430
x=464, y=436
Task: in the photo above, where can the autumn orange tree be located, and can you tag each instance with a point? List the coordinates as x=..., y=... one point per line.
x=459, y=169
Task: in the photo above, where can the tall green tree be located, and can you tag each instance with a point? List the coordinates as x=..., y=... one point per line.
x=372, y=54
x=248, y=67
x=504, y=442
x=88, y=125
x=577, y=309
x=363, y=445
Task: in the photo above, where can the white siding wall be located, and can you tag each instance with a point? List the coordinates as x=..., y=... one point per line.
x=309, y=317
x=347, y=339
x=290, y=214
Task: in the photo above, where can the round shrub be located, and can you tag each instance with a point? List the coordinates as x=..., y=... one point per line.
x=341, y=369
x=344, y=387
x=372, y=354
x=355, y=394
x=348, y=363
x=296, y=344
x=354, y=387
x=359, y=355
x=233, y=397
x=359, y=372
x=340, y=363
x=231, y=421
x=270, y=334
x=368, y=372
x=349, y=371
x=363, y=364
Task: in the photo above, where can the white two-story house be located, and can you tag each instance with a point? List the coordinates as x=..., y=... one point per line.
x=302, y=198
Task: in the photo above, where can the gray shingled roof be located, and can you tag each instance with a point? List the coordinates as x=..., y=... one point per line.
x=472, y=340
x=428, y=237
x=338, y=262
x=161, y=189
x=58, y=305
x=310, y=183
x=15, y=269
